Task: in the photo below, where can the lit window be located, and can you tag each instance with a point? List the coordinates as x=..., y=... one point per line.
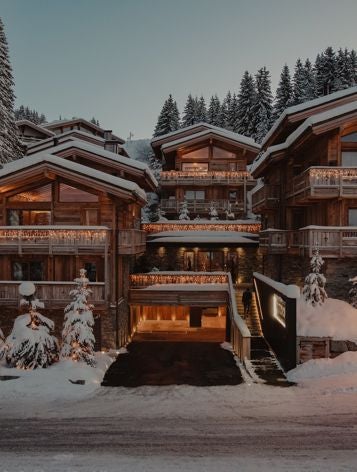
x=195, y=166
x=41, y=194
x=202, y=153
x=72, y=194
x=219, y=153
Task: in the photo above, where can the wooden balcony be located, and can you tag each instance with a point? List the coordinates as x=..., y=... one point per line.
x=324, y=182
x=164, y=278
x=53, y=239
x=171, y=205
x=332, y=242
x=51, y=293
x=211, y=178
x=131, y=241
x=265, y=198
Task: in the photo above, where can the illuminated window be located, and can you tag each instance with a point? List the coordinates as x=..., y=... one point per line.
x=72, y=194
x=202, y=153
x=41, y=194
x=195, y=166
x=28, y=217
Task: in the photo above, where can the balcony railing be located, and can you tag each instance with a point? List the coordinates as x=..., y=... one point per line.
x=131, y=241
x=331, y=241
x=265, y=197
x=54, y=292
x=202, y=206
x=53, y=239
x=163, y=278
x=325, y=182
x=175, y=178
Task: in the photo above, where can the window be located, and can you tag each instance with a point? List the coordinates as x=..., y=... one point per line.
x=349, y=159
x=41, y=194
x=32, y=270
x=219, y=153
x=72, y=194
x=232, y=195
x=349, y=138
x=91, y=269
x=194, y=195
x=202, y=153
x=195, y=166
x=28, y=217
x=352, y=217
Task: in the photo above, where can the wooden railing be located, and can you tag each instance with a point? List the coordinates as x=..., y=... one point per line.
x=325, y=182
x=206, y=178
x=198, y=206
x=265, y=197
x=163, y=278
x=54, y=292
x=331, y=241
x=53, y=239
x=131, y=241
x=197, y=225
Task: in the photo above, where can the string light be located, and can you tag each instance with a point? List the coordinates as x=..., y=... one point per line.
x=154, y=278
x=55, y=234
x=216, y=226
x=172, y=175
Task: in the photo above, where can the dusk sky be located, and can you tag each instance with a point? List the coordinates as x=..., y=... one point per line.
x=119, y=59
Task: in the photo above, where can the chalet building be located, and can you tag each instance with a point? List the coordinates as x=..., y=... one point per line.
x=307, y=195
x=31, y=133
x=72, y=204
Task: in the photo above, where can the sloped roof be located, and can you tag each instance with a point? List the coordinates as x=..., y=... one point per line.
x=39, y=128
x=56, y=123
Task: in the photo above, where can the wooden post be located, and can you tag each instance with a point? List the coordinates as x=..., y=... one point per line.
x=106, y=277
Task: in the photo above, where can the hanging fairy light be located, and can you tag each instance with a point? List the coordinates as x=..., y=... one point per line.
x=162, y=278
x=199, y=174
x=209, y=226
x=63, y=235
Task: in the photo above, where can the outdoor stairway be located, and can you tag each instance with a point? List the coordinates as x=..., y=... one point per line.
x=263, y=360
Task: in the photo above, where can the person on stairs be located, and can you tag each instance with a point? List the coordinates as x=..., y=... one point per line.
x=247, y=300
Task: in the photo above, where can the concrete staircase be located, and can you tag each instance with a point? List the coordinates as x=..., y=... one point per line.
x=252, y=319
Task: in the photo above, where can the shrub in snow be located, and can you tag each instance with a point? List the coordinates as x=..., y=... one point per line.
x=314, y=291
x=30, y=343
x=352, y=294
x=184, y=213
x=2, y=339
x=77, y=335
x=229, y=213
x=213, y=212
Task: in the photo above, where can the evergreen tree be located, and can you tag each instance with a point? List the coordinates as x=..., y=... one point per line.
x=298, y=83
x=284, y=93
x=233, y=111
x=30, y=344
x=10, y=146
x=214, y=111
x=94, y=121
x=242, y=121
x=262, y=110
x=314, y=291
x=189, y=113
x=309, y=82
x=353, y=67
x=169, y=118
x=352, y=294
x=25, y=113
x=77, y=335
x=201, y=110
x=184, y=213
x=325, y=67
x=223, y=114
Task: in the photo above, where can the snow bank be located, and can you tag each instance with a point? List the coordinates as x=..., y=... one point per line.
x=335, y=318
x=53, y=382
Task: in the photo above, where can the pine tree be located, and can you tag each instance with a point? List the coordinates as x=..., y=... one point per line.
x=30, y=344
x=314, y=291
x=343, y=71
x=25, y=113
x=353, y=67
x=201, y=110
x=10, y=146
x=325, y=67
x=233, y=118
x=308, y=83
x=94, y=121
x=155, y=164
x=284, y=93
x=184, y=213
x=352, y=294
x=214, y=111
x=223, y=113
x=243, y=122
x=298, y=83
x=189, y=113
x=77, y=335
x=169, y=118
x=262, y=110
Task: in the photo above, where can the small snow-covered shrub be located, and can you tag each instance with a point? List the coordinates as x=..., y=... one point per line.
x=77, y=335
x=314, y=291
x=352, y=294
x=30, y=343
x=184, y=213
x=213, y=212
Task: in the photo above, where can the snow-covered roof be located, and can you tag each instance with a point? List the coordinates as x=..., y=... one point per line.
x=306, y=106
x=308, y=123
x=32, y=125
x=96, y=175
x=56, y=123
x=239, y=138
x=204, y=237
x=92, y=148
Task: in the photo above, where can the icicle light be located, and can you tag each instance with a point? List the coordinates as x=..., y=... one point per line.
x=216, y=226
x=163, y=278
x=55, y=234
x=204, y=175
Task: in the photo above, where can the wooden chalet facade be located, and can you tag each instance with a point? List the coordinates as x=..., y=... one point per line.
x=205, y=166
x=308, y=191
x=71, y=206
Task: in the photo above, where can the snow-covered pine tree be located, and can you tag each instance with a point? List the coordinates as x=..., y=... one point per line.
x=30, y=344
x=154, y=163
x=223, y=113
x=189, y=117
x=298, y=83
x=314, y=291
x=184, y=213
x=284, y=93
x=77, y=335
x=242, y=120
x=262, y=109
x=213, y=215
x=353, y=67
x=308, y=83
x=352, y=294
x=214, y=110
x=10, y=145
x=325, y=67
x=343, y=77
x=169, y=118
x=201, y=110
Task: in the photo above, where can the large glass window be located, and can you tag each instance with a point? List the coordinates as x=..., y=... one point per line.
x=41, y=194
x=28, y=217
x=72, y=194
x=91, y=269
x=32, y=270
x=349, y=138
x=219, y=153
x=352, y=217
x=195, y=166
x=349, y=158
x=201, y=153
x=194, y=195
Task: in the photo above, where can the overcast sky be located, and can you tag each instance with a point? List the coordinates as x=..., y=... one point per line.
x=119, y=59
